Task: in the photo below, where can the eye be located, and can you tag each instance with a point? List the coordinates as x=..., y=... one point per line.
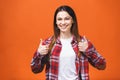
x=59, y=19
x=67, y=18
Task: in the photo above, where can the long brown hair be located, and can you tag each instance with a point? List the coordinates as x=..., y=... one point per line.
x=74, y=28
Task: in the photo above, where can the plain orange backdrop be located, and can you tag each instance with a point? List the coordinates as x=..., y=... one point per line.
x=24, y=22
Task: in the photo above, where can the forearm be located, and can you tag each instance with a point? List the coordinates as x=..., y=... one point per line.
x=36, y=65
x=100, y=63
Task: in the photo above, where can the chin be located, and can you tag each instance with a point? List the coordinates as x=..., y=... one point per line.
x=64, y=30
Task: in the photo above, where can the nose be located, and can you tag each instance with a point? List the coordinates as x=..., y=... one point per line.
x=63, y=22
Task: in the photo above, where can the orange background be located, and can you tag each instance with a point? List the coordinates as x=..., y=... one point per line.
x=24, y=22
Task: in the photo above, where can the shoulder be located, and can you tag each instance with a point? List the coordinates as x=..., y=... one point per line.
x=83, y=38
x=79, y=38
x=48, y=40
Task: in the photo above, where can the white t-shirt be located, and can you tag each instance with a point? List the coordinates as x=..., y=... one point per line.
x=67, y=68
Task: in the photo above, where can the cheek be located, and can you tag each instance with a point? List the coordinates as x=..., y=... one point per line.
x=69, y=22
x=57, y=22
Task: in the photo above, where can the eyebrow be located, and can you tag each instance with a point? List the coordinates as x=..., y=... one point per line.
x=64, y=17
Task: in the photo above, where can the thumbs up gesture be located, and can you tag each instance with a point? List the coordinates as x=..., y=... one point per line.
x=83, y=44
x=43, y=49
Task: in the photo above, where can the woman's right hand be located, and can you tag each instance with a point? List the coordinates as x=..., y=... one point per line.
x=43, y=49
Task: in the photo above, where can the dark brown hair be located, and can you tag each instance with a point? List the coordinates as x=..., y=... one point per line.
x=74, y=28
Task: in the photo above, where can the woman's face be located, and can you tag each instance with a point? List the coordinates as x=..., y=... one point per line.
x=64, y=21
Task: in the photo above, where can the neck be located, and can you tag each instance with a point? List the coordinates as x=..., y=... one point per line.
x=65, y=35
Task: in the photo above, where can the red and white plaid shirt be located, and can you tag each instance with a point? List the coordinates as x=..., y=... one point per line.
x=82, y=67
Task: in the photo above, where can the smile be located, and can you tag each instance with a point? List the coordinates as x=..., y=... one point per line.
x=63, y=26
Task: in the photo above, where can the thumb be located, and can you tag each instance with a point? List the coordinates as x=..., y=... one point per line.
x=84, y=38
x=41, y=41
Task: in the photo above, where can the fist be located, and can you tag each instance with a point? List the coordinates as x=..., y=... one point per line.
x=83, y=45
x=43, y=49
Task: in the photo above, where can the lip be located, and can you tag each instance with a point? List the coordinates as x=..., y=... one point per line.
x=63, y=26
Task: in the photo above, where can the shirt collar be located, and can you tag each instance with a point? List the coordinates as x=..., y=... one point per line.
x=74, y=40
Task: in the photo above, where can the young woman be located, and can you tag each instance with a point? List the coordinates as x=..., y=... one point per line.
x=66, y=54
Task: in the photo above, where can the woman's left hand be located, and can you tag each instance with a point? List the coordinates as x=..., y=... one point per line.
x=83, y=45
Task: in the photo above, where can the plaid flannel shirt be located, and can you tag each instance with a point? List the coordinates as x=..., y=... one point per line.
x=82, y=64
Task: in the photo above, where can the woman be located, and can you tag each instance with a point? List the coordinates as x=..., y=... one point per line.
x=66, y=54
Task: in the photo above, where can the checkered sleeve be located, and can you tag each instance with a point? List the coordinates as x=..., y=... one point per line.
x=94, y=57
x=38, y=61
x=36, y=64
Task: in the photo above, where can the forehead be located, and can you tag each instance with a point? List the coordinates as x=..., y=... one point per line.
x=62, y=14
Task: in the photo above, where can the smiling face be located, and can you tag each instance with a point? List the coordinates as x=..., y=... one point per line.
x=64, y=21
